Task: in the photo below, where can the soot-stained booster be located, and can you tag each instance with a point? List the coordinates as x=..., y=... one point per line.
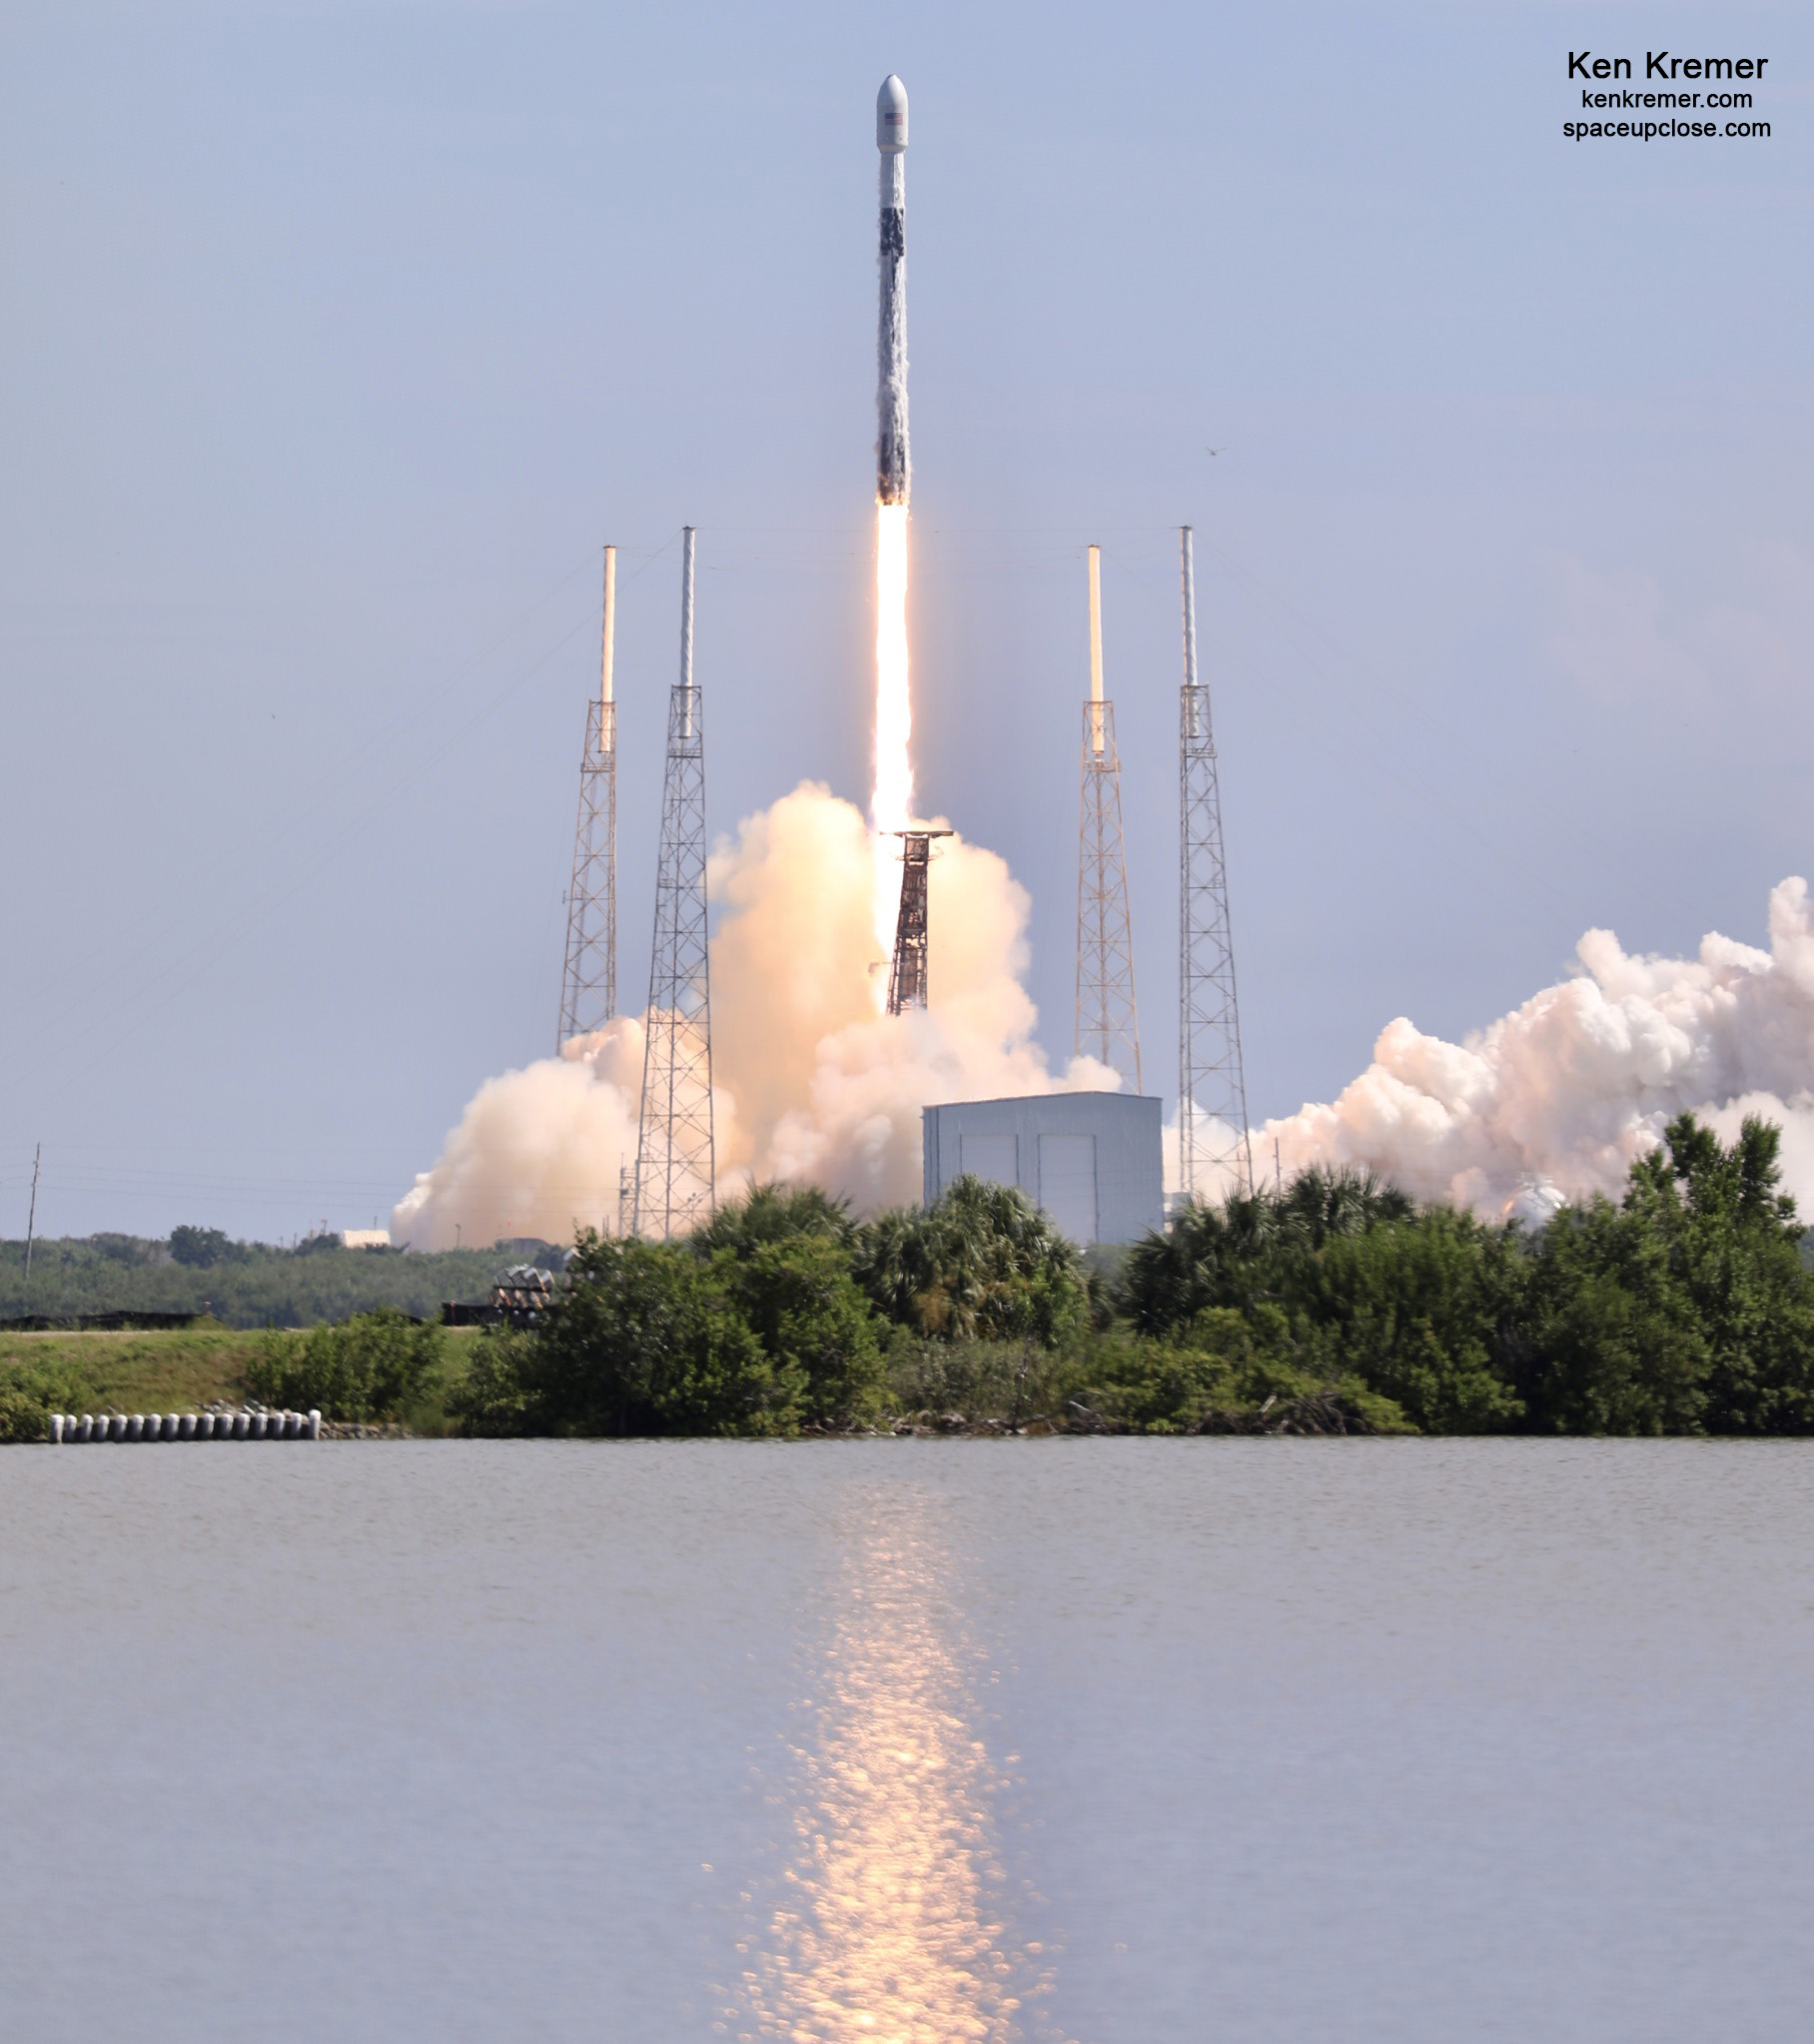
x=893, y=471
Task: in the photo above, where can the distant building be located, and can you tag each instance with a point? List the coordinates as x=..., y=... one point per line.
x=364, y=1237
x=1091, y=1160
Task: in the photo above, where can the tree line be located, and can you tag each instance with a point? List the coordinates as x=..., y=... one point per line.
x=1333, y=1304
x=242, y=1284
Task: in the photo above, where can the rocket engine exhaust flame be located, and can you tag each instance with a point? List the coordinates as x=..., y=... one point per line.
x=891, y=801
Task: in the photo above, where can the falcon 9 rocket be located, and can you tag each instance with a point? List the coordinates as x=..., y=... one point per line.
x=892, y=471
x=891, y=799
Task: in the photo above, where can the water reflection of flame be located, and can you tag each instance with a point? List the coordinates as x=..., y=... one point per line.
x=891, y=1926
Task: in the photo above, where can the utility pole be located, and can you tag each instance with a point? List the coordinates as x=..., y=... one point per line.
x=1214, y=1152
x=1107, y=1022
x=31, y=1229
x=676, y=1159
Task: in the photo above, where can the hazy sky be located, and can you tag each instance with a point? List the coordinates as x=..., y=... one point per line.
x=337, y=338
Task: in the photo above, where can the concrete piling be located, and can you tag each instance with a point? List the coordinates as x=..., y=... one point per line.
x=247, y=1424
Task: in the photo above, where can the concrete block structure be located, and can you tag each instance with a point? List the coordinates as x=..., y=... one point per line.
x=1091, y=1160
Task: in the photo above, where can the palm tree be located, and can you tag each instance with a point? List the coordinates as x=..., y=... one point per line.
x=1319, y=1204
x=1239, y=1249
x=775, y=1212
x=981, y=1261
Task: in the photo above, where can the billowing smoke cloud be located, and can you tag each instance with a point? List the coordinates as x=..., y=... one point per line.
x=1554, y=1100
x=811, y=1083
x=534, y=1149
x=1551, y=1102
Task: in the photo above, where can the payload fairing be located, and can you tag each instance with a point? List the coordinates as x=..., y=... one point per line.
x=893, y=471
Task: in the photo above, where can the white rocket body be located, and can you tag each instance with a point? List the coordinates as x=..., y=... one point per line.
x=893, y=471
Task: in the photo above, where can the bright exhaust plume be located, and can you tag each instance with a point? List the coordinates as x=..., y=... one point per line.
x=891, y=799
x=812, y=1083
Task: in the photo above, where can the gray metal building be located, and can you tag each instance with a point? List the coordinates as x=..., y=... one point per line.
x=1091, y=1160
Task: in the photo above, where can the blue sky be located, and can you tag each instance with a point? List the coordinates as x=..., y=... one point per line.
x=337, y=338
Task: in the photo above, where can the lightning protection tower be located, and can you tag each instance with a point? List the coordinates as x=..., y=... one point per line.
x=1216, y=1153
x=1108, y=1022
x=907, y=982
x=674, y=1157
x=589, y=982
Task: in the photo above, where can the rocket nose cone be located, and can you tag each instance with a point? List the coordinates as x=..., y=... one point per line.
x=891, y=116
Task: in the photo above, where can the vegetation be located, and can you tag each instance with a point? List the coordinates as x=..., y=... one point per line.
x=1339, y=1278
x=983, y=1264
x=242, y=1284
x=182, y=1369
x=1332, y=1305
x=761, y=1335
x=376, y=1365
x=1686, y=1308
x=142, y=1373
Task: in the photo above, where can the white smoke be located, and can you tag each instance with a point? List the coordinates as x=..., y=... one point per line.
x=1554, y=1101
x=1551, y=1102
x=533, y=1150
x=810, y=1083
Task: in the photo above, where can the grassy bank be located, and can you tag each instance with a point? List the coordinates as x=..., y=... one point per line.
x=137, y=1373
x=1092, y=1386
x=177, y=1371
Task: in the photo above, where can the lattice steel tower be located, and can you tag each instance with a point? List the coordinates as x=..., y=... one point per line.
x=589, y=982
x=1216, y=1152
x=907, y=981
x=675, y=1156
x=1108, y=1020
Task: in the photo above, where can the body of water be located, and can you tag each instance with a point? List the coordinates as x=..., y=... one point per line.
x=1113, y=1741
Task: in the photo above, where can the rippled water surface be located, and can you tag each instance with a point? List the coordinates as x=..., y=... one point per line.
x=909, y=1741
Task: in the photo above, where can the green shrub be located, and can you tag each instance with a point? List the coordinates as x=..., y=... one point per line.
x=648, y=1340
x=1231, y=1372
x=1011, y=1380
x=372, y=1367
x=803, y=1306
x=1418, y=1308
x=492, y=1399
x=30, y=1392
